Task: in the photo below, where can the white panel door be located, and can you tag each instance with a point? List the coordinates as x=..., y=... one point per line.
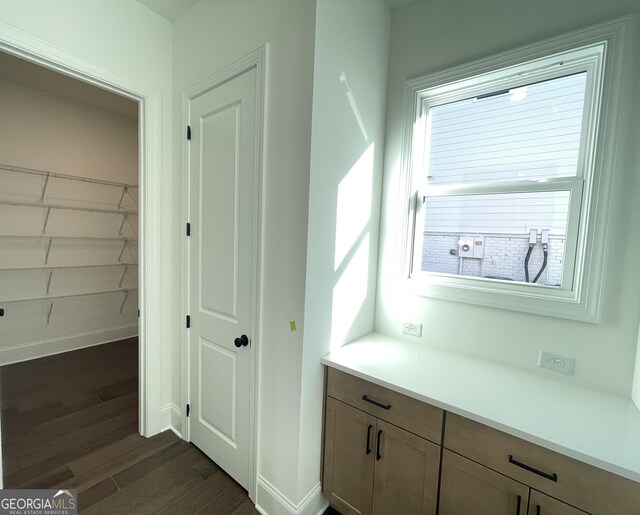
x=222, y=199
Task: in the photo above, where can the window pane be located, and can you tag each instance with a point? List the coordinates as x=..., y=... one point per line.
x=488, y=235
x=527, y=132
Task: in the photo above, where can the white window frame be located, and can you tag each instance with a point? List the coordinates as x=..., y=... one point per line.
x=596, y=51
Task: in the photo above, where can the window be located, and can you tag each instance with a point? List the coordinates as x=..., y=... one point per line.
x=512, y=159
x=507, y=168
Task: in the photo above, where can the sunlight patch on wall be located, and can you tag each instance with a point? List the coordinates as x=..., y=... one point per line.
x=349, y=294
x=354, y=204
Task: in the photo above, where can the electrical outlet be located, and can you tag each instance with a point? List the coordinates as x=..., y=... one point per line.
x=412, y=329
x=556, y=363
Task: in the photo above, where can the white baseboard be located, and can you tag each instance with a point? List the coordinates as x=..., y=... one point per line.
x=42, y=348
x=172, y=418
x=270, y=501
x=165, y=417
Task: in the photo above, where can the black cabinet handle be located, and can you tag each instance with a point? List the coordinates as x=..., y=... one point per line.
x=537, y=509
x=376, y=403
x=378, y=455
x=518, y=505
x=369, y=439
x=551, y=477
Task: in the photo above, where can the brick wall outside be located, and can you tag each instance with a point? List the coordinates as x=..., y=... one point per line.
x=503, y=257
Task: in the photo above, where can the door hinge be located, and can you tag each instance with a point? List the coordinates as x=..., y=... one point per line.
x=188, y=409
x=188, y=321
x=188, y=229
x=189, y=132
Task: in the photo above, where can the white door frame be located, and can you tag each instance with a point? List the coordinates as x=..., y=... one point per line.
x=37, y=51
x=258, y=60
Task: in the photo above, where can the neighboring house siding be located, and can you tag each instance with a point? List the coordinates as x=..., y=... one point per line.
x=504, y=137
x=513, y=213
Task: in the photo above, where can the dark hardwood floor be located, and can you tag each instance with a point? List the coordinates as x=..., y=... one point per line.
x=71, y=421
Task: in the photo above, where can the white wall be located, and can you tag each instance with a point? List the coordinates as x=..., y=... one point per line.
x=47, y=132
x=347, y=142
x=213, y=34
x=635, y=392
x=40, y=130
x=125, y=40
x=431, y=35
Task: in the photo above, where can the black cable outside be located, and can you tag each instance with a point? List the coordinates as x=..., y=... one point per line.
x=526, y=262
x=544, y=264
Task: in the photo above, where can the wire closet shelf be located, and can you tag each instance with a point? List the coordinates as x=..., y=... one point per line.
x=47, y=195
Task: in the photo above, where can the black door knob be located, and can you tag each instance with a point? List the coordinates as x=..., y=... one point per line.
x=243, y=341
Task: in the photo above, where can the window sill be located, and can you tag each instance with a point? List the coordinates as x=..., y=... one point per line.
x=537, y=300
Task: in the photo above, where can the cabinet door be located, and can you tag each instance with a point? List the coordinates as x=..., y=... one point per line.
x=472, y=489
x=406, y=473
x=349, y=457
x=541, y=504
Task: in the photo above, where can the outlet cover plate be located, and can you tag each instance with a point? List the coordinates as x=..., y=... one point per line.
x=412, y=328
x=556, y=362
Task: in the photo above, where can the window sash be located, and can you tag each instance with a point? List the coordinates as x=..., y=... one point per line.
x=570, y=272
x=510, y=186
x=551, y=68
x=586, y=59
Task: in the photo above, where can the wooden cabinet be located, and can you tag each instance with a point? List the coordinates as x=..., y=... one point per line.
x=410, y=414
x=372, y=466
x=559, y=477
x=541, y=504
x=472, y=489
x=348, y=458
x=382, y=455
x=406, y=472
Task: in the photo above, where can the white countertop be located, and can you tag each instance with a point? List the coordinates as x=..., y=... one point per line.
x=591, y=426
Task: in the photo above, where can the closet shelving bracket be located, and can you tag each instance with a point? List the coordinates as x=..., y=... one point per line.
x=53, y=298
x=107, y=205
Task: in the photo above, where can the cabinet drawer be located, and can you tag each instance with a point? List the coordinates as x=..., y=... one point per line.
x=410, y=414
x=589, y=488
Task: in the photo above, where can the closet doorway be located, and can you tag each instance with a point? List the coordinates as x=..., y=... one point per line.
x=69, y=229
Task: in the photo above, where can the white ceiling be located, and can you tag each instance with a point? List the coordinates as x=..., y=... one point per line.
x=169, y=9
x=173, y=9
x=22, y=72
x=394, y=4
x=40, y=78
